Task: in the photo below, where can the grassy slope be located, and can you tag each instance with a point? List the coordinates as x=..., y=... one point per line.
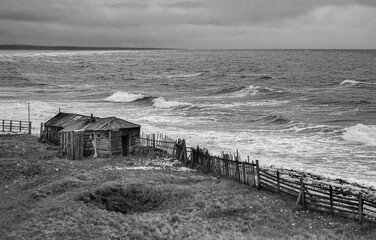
x=43, y=197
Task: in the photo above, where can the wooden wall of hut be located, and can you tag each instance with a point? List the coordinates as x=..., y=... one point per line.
x=80, y=144
x=116, y=140
x=72, y=144
x=51, y=134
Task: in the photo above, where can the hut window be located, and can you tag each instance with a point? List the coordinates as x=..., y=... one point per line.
x=98, y=135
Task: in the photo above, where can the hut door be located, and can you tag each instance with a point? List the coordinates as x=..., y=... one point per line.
x=125, y=145
x=78, y=145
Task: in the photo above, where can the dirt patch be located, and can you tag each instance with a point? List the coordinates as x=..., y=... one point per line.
x=126, y=200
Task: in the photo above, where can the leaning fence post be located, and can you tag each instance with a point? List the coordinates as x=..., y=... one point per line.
x=278, y=183
x=244, y=175
x=331, y=199
x=360, y=207
x=237, y=165
x=258, y=174
x=302, y=191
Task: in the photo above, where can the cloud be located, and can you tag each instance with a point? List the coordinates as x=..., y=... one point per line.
x=134, y=5
x=186, y=5
x=191, y=24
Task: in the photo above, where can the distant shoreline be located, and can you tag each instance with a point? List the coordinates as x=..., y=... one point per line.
x=74, y=48
x=77, y=48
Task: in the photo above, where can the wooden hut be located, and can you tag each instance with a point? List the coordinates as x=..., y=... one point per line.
x=102, y=137
x=50, y=130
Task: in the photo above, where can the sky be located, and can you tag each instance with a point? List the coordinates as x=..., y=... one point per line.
x=205, y=24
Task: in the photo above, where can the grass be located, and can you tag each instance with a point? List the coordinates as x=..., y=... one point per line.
x=102, y=199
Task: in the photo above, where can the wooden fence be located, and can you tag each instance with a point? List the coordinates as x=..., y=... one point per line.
x=158, y=141
x=308, y=192
x=14, y=126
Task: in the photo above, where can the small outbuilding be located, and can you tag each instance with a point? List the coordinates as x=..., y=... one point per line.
x=98, y=137
x=50, y=130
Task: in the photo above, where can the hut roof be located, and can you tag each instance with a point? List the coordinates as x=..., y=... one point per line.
x=63, y=120
x=110, y=123
x=100, y=124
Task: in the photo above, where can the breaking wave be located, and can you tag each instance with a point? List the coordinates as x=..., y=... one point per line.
x=163, y=103
x=125, y=97
x=238, y=92
x=185, y=75
x=286, y=124
x=354, y=83
x=349, y=82
x=365, y=134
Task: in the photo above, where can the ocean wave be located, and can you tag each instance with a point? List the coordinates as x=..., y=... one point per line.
x=185, y=75
x=275, y=119
x=163, y=103
x=238, y=92
x=365, y=134
x=286, y=124
x=349, y=82
x=354, y=83
x=125, y=97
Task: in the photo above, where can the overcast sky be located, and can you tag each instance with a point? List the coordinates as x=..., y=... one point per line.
x=246, y=24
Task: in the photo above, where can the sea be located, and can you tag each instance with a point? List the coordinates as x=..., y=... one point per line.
x=308, y=110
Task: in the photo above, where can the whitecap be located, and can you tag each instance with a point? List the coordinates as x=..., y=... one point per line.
x=185, y=75
x=365, y=134
x=248, y=91
x=125, y=97
x=163, y=103
x=349, y=82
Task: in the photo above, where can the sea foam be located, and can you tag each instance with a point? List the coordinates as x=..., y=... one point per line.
x=189, y=75
x=163, y=103
x=349, y=82
x=365, y=134
x=125, y=97
x=246, y=91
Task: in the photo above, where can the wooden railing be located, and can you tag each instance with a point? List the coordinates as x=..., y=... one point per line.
x=356, y=203
x=14, y=126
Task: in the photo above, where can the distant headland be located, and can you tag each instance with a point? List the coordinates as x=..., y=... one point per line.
x=74, y=48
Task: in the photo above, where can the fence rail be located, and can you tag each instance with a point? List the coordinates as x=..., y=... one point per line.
x=308, y=192
x=14, y=126
x=158, y=141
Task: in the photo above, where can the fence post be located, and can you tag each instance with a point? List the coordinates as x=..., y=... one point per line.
x=244, y=175
x=193, y=157
x=41, y=131
x=302, y=191
x=360, y=208
x=331, y=199
x=258, y=174
x=29, y=128
x=20, y=126
x=3, y=125
x=278, y=184
x=209, y=159
x=237, y=165
x=153, y=140
x=226, y=164
x=10, y=126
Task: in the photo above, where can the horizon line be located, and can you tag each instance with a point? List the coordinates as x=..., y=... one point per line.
x=77, y=48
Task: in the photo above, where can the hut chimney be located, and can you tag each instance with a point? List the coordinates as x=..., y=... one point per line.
x=92, y=119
